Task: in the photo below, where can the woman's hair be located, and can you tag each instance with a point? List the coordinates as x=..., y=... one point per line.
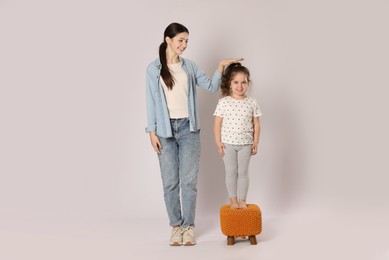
x=229, y=74
x=172, y=30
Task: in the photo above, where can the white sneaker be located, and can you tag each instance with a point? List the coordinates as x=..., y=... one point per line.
x=176, y=236
x=188, y=236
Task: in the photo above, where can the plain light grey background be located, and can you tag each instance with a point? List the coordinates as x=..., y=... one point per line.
x=73, y=151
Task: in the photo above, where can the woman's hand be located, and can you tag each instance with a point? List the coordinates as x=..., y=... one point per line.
x=226, y=62
x=220, y=148
x=155, y=143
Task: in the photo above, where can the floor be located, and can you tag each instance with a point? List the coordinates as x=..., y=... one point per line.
x=305, y=234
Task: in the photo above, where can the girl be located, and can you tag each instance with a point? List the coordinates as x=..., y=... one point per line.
x=173, y=125
x=236, y=131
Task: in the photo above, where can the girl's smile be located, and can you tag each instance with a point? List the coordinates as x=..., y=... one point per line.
x=239, y=86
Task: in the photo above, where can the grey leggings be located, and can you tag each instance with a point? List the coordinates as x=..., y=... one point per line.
x=236, y=162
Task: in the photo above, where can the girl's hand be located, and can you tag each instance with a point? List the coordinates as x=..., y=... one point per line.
x=220, y=148
x=155, y=143
x=226, y=62
x=254, y=149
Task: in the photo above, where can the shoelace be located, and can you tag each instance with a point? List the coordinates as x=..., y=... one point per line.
x=187, y=229
x=177, y=231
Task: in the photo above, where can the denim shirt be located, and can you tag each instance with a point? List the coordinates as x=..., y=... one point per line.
x=158, y=119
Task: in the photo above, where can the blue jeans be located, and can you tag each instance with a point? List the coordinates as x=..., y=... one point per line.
x=179, y=162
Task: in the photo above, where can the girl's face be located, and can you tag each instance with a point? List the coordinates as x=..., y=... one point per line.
x=239, y=85
x=178, y=43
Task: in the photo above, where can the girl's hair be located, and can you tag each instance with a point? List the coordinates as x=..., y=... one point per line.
x=229, y=74
x=172, y=30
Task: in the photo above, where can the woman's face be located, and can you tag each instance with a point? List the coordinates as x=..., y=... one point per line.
x=178, y=43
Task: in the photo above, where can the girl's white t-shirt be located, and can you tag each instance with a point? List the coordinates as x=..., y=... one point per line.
x=237, y=124
x=177, y=98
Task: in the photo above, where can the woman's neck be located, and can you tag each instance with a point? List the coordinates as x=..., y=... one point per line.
x=172, y=58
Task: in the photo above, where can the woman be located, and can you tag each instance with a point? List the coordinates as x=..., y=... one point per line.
x=174, y=127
